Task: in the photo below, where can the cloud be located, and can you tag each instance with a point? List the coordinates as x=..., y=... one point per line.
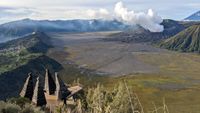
x=194, y=5
x=14, y=12
x=99, y=14
x=149, y=20
x=164, y=7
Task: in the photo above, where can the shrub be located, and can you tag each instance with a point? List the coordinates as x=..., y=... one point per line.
x=10, y=108
x=118, y=100
x=19, y=101
x=18, y=105
x=28, y=108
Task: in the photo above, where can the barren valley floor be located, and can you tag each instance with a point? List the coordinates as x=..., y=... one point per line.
x=154, y=74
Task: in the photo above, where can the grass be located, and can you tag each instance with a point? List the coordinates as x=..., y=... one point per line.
x=177, y=81
x=178, y=64
x=178, y=100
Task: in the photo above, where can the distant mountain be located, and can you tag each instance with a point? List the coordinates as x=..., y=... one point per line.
x=25, y=26
x=21, y=56
x=140, y=34
x=187, y=40
x=194, y=17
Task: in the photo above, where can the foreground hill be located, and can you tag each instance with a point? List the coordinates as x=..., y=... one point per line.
x=21, y=56
x=25, y=26
x=35, y=42
x=188, y=40
x=194, y=17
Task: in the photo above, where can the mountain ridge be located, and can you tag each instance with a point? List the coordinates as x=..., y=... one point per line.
x=22, y=27
x=194, y=17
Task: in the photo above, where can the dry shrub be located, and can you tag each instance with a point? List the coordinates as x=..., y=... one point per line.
x=9, y=108
x=101, y=100
x=118, y=100
x=18, y=105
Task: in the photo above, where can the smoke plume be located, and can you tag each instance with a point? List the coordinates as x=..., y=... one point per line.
x=149, y=20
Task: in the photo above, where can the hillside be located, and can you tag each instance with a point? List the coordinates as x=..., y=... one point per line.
x=35, y=42
x=187, y=40
x=194, y=17
x=21, y=56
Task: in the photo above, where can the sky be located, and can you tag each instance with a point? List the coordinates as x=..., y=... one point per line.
x=11, y=10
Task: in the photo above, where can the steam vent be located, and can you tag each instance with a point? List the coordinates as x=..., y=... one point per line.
x=53, y=92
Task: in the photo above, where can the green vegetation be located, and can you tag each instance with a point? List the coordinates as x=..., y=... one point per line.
x=153, y=89
x=177, y=82
x=12, y=60
x=187, y=40
x=18, y=105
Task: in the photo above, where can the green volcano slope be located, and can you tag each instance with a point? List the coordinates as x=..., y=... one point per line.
x=187, y=40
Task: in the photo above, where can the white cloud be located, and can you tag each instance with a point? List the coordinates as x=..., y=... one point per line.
x=14, y=13
x=99, y=14
x=194, y=5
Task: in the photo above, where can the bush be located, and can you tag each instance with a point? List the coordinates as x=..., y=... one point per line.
x=28, y=108
x=19, y=101
x=10, y=108
x=18, y=105
x=2, y=105
x=118, y=100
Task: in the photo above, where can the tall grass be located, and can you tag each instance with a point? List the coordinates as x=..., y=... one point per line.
x=161, y=109
x=120, y=99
